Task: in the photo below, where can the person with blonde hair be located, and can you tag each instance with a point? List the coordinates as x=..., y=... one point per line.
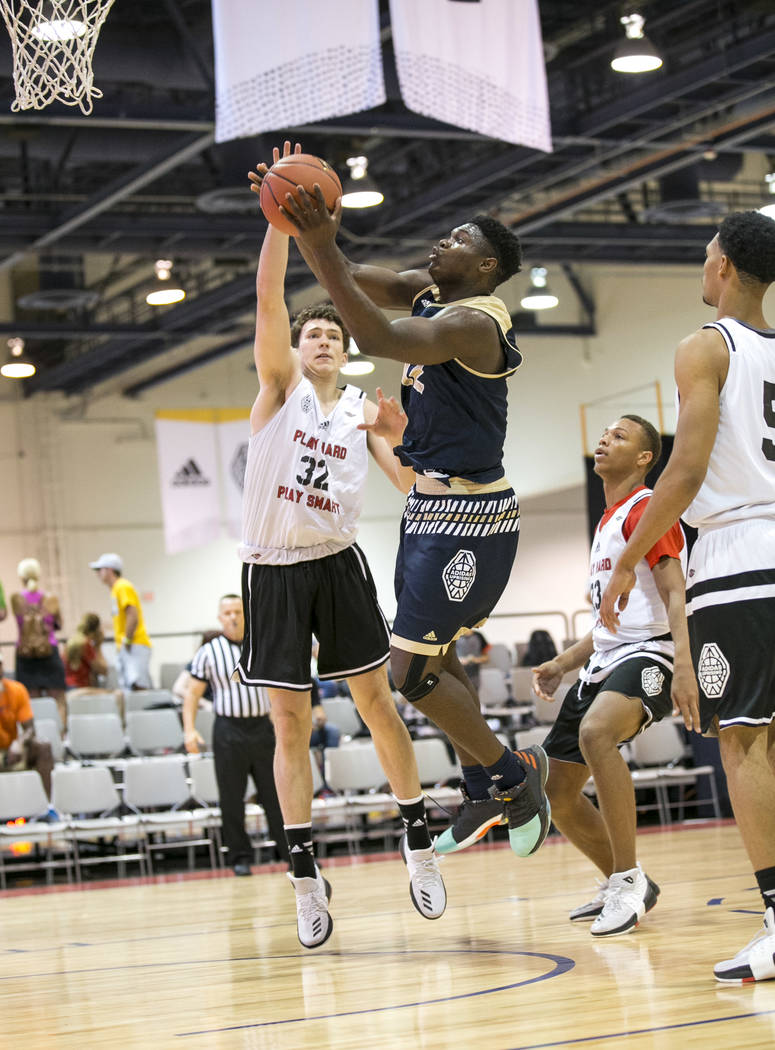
x=39, y=666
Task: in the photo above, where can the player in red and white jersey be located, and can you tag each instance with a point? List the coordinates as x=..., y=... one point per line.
x=628, y=680
x=304, y=574
x=721, y=476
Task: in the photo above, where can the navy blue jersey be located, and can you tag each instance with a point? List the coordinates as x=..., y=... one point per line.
x=457, y=416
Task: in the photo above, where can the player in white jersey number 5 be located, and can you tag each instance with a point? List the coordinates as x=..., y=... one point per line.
x=721, y=478
x=629, y=681
x=303, y=572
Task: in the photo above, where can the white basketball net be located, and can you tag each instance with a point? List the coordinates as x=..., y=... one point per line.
x=53, y=44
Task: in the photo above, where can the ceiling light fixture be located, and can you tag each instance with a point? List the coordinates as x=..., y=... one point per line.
x=538, y=296
x=359, y=367
x=636, y=53
x=164, y=296
x=17, y=366
x=360, y=189
x=59, y=30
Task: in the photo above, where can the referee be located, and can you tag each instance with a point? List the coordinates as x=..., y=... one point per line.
x=243, y=736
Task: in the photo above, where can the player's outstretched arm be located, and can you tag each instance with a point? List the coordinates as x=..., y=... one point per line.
x=701, y=365
x=669, y=578
x=547, y=676
x=384, y=425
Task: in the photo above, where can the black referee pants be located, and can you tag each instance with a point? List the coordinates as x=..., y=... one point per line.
x=243, y=746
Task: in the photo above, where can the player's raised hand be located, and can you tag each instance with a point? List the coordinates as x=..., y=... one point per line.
x=257, y=177
x=390, y=421
x=546, y=677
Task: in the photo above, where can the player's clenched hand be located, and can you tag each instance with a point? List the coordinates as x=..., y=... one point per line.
x=685, y=696
x=619, y=586
x=546, y=678
x=257, y=177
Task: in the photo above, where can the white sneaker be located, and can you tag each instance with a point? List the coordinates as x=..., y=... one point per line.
x=589, y=911
x=755, y=962
x=426, y=886
x=313, y=922
x=624, y=905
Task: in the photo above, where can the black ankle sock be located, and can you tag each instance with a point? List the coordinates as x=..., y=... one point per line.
x=506, y=772
x=415, y=824
x=478, y=782
x=766, y=881
x=299, y=839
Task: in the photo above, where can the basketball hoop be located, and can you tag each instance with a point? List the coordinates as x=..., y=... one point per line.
x=53, y=45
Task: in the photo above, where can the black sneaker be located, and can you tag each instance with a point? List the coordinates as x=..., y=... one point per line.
x=474, y=820
x=525, y=806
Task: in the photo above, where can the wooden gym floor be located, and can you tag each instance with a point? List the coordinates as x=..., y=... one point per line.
x=213, y=962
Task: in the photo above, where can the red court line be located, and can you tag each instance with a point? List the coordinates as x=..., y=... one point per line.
x=328, y=862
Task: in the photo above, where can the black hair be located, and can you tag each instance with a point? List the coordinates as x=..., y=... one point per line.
x=505, y=246
x=747, y=238
x=319, y=312
x=652, y=442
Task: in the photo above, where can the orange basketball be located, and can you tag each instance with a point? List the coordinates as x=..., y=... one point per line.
x=299, y=169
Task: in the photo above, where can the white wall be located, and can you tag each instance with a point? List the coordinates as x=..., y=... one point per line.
x=79, y=477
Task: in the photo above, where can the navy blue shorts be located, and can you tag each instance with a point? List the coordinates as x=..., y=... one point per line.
x=453, y=564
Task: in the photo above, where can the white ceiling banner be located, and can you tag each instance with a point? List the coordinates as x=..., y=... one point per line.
x=478, y=66
x=278, y=65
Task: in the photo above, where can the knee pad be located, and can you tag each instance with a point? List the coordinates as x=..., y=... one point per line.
x=418, y=682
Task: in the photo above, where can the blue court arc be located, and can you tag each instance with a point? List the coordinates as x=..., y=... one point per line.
x=557, y=966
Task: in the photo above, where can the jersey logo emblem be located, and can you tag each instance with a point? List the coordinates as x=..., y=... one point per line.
x=430, y=637
x=325, y=424
x=712, y=671
x=651, y=679
x=306, y=403
x=459, y=575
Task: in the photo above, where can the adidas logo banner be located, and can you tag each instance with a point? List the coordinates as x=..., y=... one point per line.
x=201, y=457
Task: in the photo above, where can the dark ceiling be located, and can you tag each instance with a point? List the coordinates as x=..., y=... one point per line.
x=642, y=169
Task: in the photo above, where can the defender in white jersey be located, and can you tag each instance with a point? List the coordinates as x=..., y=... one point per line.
x=303, y=573
x=628, y=680
x=721, y=475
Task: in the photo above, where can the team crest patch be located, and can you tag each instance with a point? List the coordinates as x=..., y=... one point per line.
x=712, y=671
x=306, y=403
x=459, y=575
x=651, y=680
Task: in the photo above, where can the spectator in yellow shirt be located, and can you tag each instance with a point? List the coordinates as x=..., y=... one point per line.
x=133, y=646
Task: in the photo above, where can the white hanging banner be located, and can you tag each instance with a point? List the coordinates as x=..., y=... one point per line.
x=188, y=476
x=478, y=66
x=233, y=432
x=279, y=65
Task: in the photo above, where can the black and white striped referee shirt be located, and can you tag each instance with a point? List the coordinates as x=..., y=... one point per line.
x=214, y=663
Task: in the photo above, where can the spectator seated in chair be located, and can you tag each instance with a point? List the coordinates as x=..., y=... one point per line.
x=25, y=751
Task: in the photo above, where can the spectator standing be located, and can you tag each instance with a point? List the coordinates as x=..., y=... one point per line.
x=133, y=646
x=243, y=735
x=39, y=666
x=25, y=751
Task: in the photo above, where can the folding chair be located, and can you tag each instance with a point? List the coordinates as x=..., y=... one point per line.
x=205, y=720
x=499, y=655
x=93, y=737
x=144, y=699
x=23, y=799
x=341, y=712
x=157, y=790
x=353, y=770
x=92, y=704
x=88, y=795
x=154, y=732
x=47, y=729
x=493, y=687
x=46, y=707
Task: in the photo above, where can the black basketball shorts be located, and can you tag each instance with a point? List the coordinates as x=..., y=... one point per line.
x=333, y=598
x=731, y=605
x=640, y=677
x=453, y=564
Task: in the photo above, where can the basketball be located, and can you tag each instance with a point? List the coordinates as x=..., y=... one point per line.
x=298, y=169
